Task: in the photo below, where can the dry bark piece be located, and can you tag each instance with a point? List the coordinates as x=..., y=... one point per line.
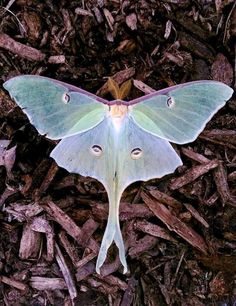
x=168, y=29
x=174, y=224
x=127, y=211
x=69, y=248
x=84, y=271
x=7, y=156
x=23, y=212
x=87, y=230
x=85, y=260
x=126, y=46
x=6, y=104
x=232, y=176
x=30, y=243
x=222, y=186
x=82, y=12
x=57, y=59
x=37, y=178
x=131, y=211
x=222, y=70
x=6, y=195
x=97, y=14
x=143, y=87
x=212, y=200
x=195, y=156
x=153, y=229
x=32, y=24
x=164, y=198
x=222, y=143
x=115, y=281
x=131, y=21
x=13, y=283
x=109, y=18
x=68, y=224
x=192, y=174
x=48, y=178
x=190, y=25
x=109, y=268
x=196, y=215
x=39, y=224
x=142, y=245
x=128, y=296
x=46, y=283
x=219, y=285
x=66, y=274
x=29, y=53
x=226, y=136
x=196, y=47
x=102, y=286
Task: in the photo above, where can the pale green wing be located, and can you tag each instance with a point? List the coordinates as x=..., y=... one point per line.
x=182, y=112
x=54, y=109
x=116, y=157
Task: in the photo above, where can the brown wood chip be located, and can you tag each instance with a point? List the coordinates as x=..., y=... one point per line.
x=32, y=54
x=13, y=283
x=192, y=174
x=174, y=224
x=70, y=283
x=46, y=283
x=67, y=223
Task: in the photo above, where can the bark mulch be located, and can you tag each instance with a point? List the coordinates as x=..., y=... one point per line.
x=180, y=230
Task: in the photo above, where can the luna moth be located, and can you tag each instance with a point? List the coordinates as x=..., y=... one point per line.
x=117, y=142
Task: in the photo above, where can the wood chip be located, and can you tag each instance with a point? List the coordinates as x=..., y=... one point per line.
x=128, y=296
x=127, y=211
x=153, y=230
x=142, y=245
x=222, y=70
x=226, y=136
x=195, y=156
x=131, y=21
x=222, y=186
x=68, y=224
x=7, y=156
x=48, y=178
x=196, y=215
x=69, y=248
x=109, y=18
x=87, y=230
x=143, y=87
x=57, y=59
x=82, y=12
x=13, y=283
x=196, y=47
x=164, y=198
x=29, y=53
x=70, y=283
x=192, y=174
x=46, y=283
x=168, y=29
x=85, y=270
x=30, y=243
x=174, y=224
x=39, y=224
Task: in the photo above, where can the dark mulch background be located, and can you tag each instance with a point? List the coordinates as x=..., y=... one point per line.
x=179, y=231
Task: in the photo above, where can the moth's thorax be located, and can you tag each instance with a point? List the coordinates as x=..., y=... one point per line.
x=118, y=113
x=118, y=110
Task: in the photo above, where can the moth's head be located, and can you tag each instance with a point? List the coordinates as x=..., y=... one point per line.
x=118, y=113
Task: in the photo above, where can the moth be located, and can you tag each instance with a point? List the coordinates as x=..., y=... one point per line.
x=117, y=142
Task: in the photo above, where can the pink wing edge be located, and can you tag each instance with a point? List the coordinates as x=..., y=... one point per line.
x=163, y=91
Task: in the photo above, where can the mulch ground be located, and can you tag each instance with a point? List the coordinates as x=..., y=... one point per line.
x=179, y=231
